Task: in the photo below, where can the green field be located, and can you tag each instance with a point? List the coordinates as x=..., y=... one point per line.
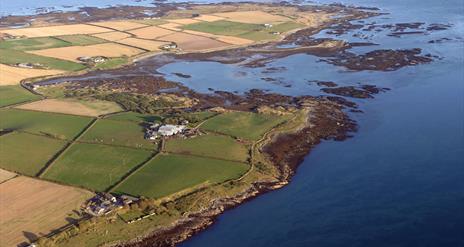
x=33, y=43
x=13, y=57
x=93, y=166
x=134, y=117
x=26, y=153
x=112, y=63
x=168, y=174
x=10, y=95
x=57, y=125
x=81, y=39
x=122, y=133
x=245, y=125
x=244, y=30
x=211, y=145
x=224, y=27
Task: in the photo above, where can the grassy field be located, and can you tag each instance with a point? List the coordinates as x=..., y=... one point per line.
x=134, y=117
x=93, y=166
x=56, y=125
x=33, y=43
x=223, y=27
x=73, y=106
x=80, y=39
x=168, y=174
x=250, y=31
x=245, y=125
x=122, y=133
x=112, y=63
x=211, y=145
x=15, y=94
x=13, y=57
x=26, y=153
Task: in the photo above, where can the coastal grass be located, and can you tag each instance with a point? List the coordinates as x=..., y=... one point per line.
x=121, y=133
x=33, y=43
x=134, y=117
x=210, y=145
x=12, y=57
x=93, y=166
x=167, y=174
x=27, y=153
x=81, y=39
x=246, y=125
x=15, y=94
x=54, y=125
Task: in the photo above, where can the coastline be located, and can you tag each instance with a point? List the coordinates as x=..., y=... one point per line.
x=319, y=128
x=330, y=122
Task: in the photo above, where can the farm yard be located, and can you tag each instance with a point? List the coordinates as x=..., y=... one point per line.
x=95, y=166
x=91, y=108
x=31, y=208
x=15, y=94
x=168, y=174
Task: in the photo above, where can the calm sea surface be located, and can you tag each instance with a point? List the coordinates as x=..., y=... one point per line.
x=398, y=182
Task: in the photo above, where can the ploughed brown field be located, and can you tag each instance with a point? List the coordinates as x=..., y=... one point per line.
x=30, y=208
x=150, y=45
x=119, y=25
x=112, y=36
x=5, y=175
x=190, y=42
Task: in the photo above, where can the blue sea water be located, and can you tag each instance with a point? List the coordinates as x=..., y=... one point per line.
x=398, y=182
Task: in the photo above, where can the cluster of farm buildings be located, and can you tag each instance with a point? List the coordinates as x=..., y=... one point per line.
x=155, y=130
x=105, y=203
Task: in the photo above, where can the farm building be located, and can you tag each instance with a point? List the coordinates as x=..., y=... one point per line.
x=156, y=130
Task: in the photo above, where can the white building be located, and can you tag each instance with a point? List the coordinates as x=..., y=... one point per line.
x=169, y=129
